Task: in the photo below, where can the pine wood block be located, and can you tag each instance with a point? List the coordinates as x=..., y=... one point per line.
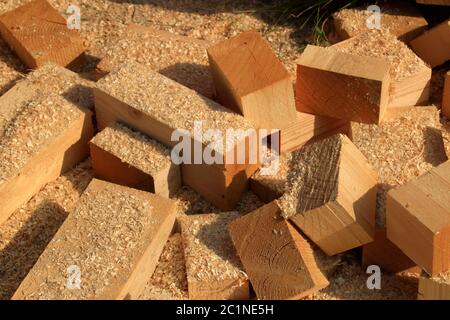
x=157, y=106
x=39, y=34
x=386, y=255
x=214, y=271
x=401, y=18
x=446, y=96
x=278, y=260
x=433, y=46
x=434, y=288
x=308, y=128
x=341, y=85
x=43, y=135
x=251, y=80
x=127, y=157
x=330, y=194
x=180, y=58
x=115, y=236
x=409, y=87
x=418, y=221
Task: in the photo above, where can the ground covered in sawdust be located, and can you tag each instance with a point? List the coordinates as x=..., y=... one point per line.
x=25, y=235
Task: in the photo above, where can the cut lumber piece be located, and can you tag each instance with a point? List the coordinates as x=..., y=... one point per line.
x=410, y=76
x=401, y=18
x=39, y=34
x=308, y=128
x=418, y=219
x=212, y=266
x=44, y=133
x=114, y=237
x=434, y=45
x=446, y=97
x=330, y=194
x=343, y=86
x=169, y=281
x=179, y=58
x=157, y=106
x=387, y=256
x=251, y=80
x=434, y=288
x=407, y=144
x=278, y=260
x=130, y=158
x=435, y=2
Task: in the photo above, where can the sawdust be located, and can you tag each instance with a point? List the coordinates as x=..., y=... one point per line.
x=134, y=148
x=277, y=181
x=208, y=250
x=104, y=238
x=400, y=149
x=443, y=277
x=169, y=280
x=382, y=44
x=11, y=68
x=25, y=235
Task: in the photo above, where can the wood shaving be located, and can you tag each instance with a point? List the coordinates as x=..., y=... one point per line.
x=382, y=44
x=277, y=181
x=134, y=148
x=401, y=149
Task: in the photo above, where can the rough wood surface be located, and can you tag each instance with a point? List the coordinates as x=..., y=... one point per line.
x=278, y=260
x=127, y=157
x=446, y=97
x=250, y=79
x=155, y=105
x=180, y=58
x=213, y=269
x=115, y=236
x=434, y=45
x=330, y=194
x=39, y=34
x=418, y=219
x=401, y=18
x=44, y=132
x=341, y=85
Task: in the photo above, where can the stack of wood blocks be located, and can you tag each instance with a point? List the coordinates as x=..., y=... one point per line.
x=360, y=158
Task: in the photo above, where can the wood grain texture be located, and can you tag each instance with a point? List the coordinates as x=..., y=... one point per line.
x=278, y=260
x=134, y=265
x=341, y=85
x=331, y=194
x=418, y=219
x=446, y=96
x=250, y=79
x=39, y=34
x=434, y=45
x=435, y=2
x=433, y=289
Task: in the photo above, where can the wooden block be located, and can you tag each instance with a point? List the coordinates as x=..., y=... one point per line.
x=179, y=58
x=157, y=106
x=39, y=34
x=251, y=80
x=114, y=236
x=43, y=134
x=434, y=288
x=446, y=97
x=386, y=255
x=278, y=260
x=410, y=76
x=341, y=85
x=418, y=219
x=330, y=194
x=127, y=157
x=213, y=268
x=434, y=45
x=401, y=18
x=308, y=128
